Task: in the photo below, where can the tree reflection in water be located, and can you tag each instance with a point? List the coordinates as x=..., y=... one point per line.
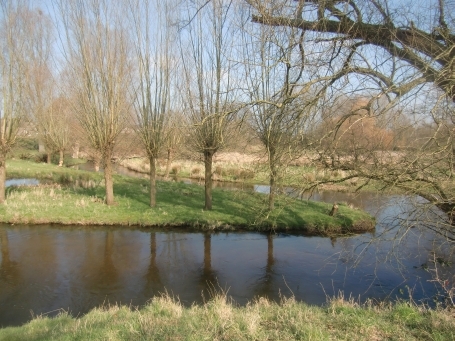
x=265, y=286
x=153, y=284
x=9, y=270
x=208, y=281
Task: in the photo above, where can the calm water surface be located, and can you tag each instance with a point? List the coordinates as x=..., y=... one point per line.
x=47, y=269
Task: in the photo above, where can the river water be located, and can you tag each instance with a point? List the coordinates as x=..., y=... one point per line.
x=48, y=269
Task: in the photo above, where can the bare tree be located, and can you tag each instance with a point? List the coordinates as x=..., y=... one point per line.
x=284, y=91
x=156, y=70
x=206, y=46
x=99, y=65
x=40, y=84
x=54, y=127
x=270, y=73
x=174, y=133
x=427, y=45
x=15, y=61
x=401, y=59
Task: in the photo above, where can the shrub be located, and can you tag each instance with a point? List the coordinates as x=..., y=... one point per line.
x=246, y=174
x=195, y=171
x=25, y=156
x=27, y=143
x=219, y=170
x=65, y=179
x=234, y=172
x=175, y=169
x=309, y=177
x=41, y=157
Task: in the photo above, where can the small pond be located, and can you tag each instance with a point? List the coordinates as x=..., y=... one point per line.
x=21, y=182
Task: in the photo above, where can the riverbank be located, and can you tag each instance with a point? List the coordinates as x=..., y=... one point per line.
x=73, y=197
x=166, y=319
x=233, y=167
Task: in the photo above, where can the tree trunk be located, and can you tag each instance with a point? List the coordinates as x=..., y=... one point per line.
x=273, y=178
x=334, y=210
x=96, y=164
x=168, y=162
x=76, y=150
x=152, y=181
x=208, y=158
x=2, y=177
x=48, y=159
x=272, y=191
x=60, y=161
x=109, y=183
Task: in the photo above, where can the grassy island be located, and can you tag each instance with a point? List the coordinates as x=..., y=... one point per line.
x=166, y=319
x=70, y=196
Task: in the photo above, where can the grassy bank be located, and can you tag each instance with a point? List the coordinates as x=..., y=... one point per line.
x=166, y=319
x=69, y=196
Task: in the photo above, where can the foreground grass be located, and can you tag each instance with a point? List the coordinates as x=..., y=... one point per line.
x=166, y=319
x=76, y=197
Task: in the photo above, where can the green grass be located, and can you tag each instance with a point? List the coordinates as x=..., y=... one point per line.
x=69, y=196
x=166, y=319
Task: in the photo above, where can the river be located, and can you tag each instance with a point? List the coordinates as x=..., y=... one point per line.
x=45, y=270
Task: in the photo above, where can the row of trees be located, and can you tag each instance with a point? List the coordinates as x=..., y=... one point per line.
x=342, y=81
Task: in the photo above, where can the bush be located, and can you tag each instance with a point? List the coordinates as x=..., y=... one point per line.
x=246, y=174
x=309, y=177
x=219, y=170
x=26, y=156
x=65, y=179
x=234, y=172
x=27, y=143
x=41, y=158
x=195, y=171
x=175, y=169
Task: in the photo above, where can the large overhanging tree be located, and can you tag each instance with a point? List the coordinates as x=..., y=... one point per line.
x=427, y=44
x=399, y=57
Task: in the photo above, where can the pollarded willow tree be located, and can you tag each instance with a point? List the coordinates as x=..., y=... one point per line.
x=207, y=48
x=97, y=53
x=16, y=62
x=283, y=91
x=399, y=56
x=154, y=41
